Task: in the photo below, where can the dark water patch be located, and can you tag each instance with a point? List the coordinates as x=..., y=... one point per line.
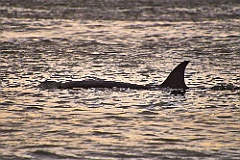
x=58, y=118
x=79, y=109
x=102, y=133
x=123, y=106
x=224, y=116
x=52, y=131
x=62, y=102
x=13, y=157
x=149, y=135
x=148, y=113
x=142, y=26
x=223, y=105
x=37, y=95
x=180, y=153
x=4, y=131
x=17, y=109
x=118, y=118
x=167, y=140
x=48, y=154
x=40, y=146
x=40, y=101
x=14, y=85
x=7, y=103
x=33, y=108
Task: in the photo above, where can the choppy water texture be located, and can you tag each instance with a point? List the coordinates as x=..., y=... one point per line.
x=130, y=41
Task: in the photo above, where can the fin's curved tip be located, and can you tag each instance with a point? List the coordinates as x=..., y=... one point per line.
x=175, y=79
x=186, y=62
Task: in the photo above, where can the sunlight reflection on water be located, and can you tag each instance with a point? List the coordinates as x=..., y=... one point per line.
x=106, y=123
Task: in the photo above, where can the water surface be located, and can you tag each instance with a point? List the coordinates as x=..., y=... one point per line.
x=137, y=44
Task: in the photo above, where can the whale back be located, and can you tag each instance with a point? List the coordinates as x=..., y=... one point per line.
x=175, y=79
x=50, y=85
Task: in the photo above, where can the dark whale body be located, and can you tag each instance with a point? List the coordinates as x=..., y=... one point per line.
x=175, y=80
x=225, y=86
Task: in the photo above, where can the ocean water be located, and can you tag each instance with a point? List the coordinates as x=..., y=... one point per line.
x=129, y=41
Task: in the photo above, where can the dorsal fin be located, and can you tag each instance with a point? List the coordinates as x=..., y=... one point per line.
x=176, y=78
